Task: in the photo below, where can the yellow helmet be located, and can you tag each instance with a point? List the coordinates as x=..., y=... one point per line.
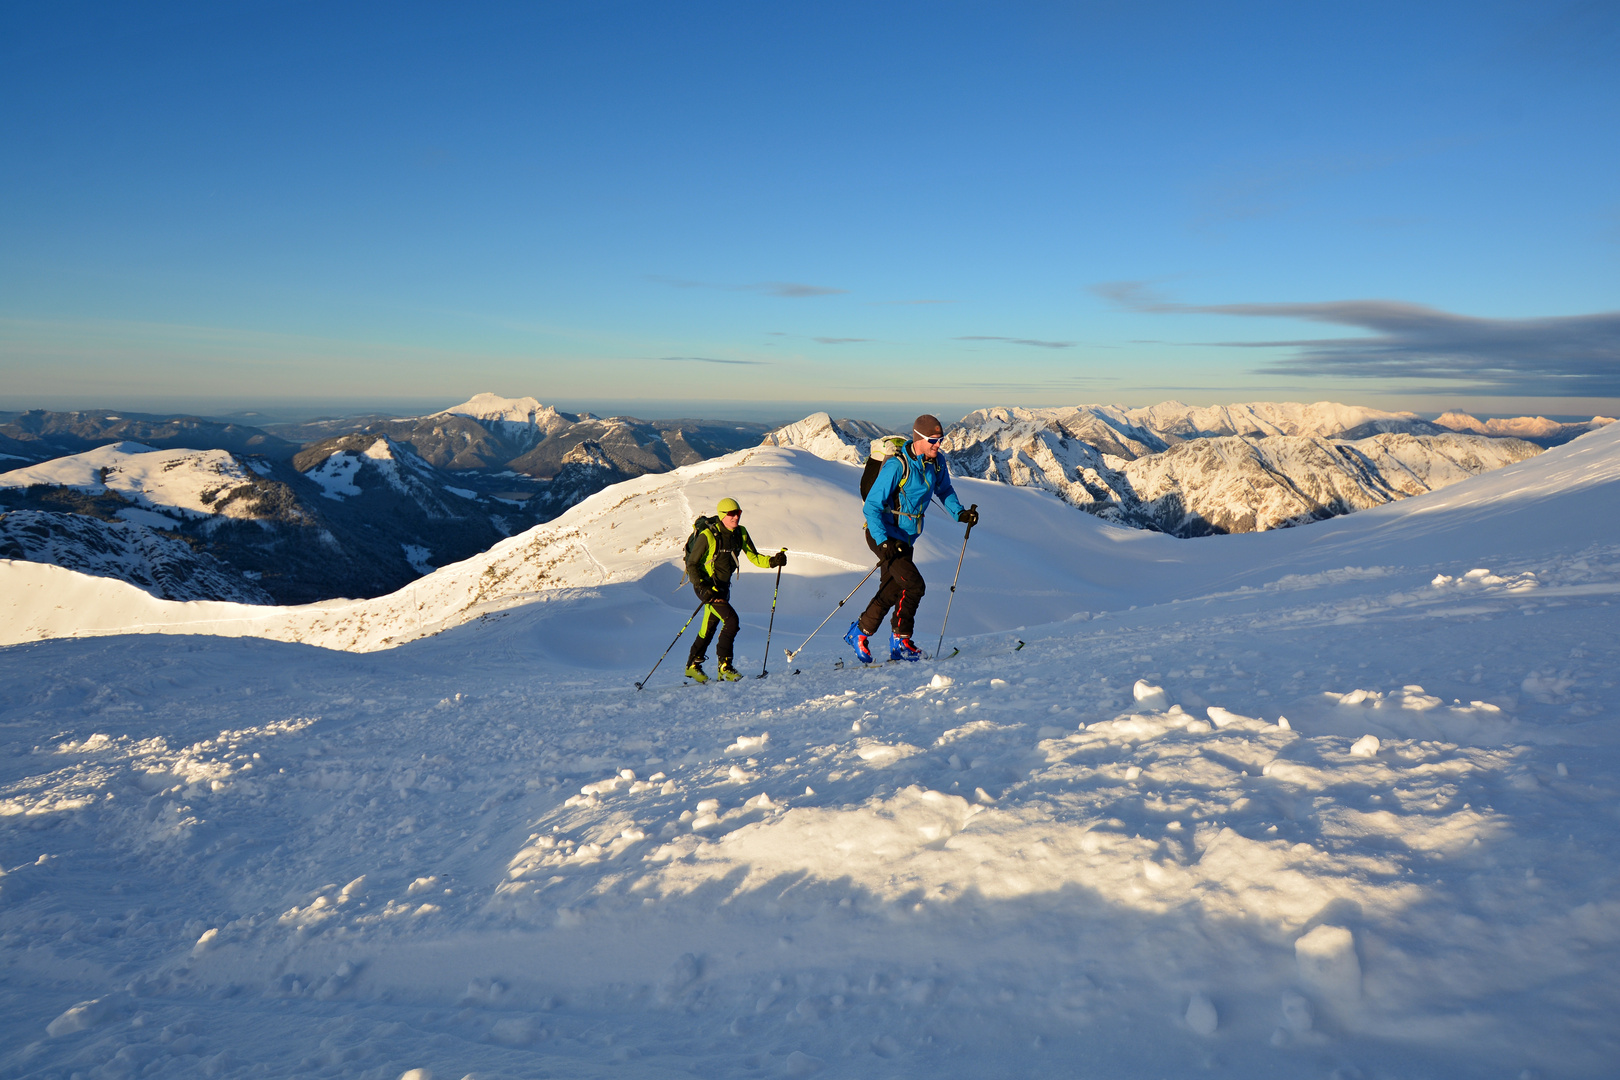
x=728, y=506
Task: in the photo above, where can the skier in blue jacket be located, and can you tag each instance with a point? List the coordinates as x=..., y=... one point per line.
x=894, y=509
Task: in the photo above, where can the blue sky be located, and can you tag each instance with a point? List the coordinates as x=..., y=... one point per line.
x=657, y=207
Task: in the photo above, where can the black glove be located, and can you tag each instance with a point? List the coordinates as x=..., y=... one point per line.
x=894, y=549
x=704, y=589
x=969, y=517
x=779, y=559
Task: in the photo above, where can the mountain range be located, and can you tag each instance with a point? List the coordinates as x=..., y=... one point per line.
x=362, y=507
x=1193, y=471
x=1196, y=472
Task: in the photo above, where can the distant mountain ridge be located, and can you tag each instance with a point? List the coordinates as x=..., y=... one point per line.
x=1192, y=471
x=359, y=510
x=1536, y=429
x=39, y=435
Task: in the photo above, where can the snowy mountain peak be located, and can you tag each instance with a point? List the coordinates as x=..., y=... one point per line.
x=1460, y=421
x=523, y=410
x=843, y=440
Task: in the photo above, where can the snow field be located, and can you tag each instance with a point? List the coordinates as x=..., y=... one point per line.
x=1104, y=852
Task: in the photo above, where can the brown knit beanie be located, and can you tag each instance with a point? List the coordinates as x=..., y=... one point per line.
x=927, y=426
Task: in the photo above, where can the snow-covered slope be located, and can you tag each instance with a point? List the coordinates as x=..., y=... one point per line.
x=179, y=484
x=1294, y=803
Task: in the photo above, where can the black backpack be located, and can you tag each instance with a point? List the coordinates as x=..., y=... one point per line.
x=882, y=450
x=699, y=527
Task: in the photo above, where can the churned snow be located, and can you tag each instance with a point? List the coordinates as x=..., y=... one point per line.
x=1330, y=801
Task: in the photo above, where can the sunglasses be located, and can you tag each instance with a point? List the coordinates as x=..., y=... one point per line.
x=931, y=440
x=732, y=513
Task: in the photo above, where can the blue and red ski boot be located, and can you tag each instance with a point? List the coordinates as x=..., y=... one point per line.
x=857, y=641
x=901, y=647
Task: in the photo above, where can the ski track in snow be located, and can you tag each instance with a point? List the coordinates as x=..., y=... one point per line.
x=1312, y=820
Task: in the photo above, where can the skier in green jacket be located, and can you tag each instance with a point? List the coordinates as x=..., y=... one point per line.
x=711, y=559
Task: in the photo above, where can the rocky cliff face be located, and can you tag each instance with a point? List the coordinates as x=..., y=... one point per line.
x=165, y=566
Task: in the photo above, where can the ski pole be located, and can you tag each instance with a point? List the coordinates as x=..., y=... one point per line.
x=770, y=626
x=952, y=599
x=678, y=634
x=791, y=653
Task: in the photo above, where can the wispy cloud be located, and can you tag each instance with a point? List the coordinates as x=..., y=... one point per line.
x=910, y=303
x=791, y=290
x=1032, y=342
x=713, y=360
x=838, y=340
x=1562, y=356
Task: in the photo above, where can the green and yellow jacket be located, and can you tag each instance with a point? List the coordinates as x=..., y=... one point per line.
x=711, y=556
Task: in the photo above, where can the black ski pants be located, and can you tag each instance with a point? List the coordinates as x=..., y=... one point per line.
x=718, y=614
x=901, y=588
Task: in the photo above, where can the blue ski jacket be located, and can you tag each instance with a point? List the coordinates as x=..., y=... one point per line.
x=895, y=510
